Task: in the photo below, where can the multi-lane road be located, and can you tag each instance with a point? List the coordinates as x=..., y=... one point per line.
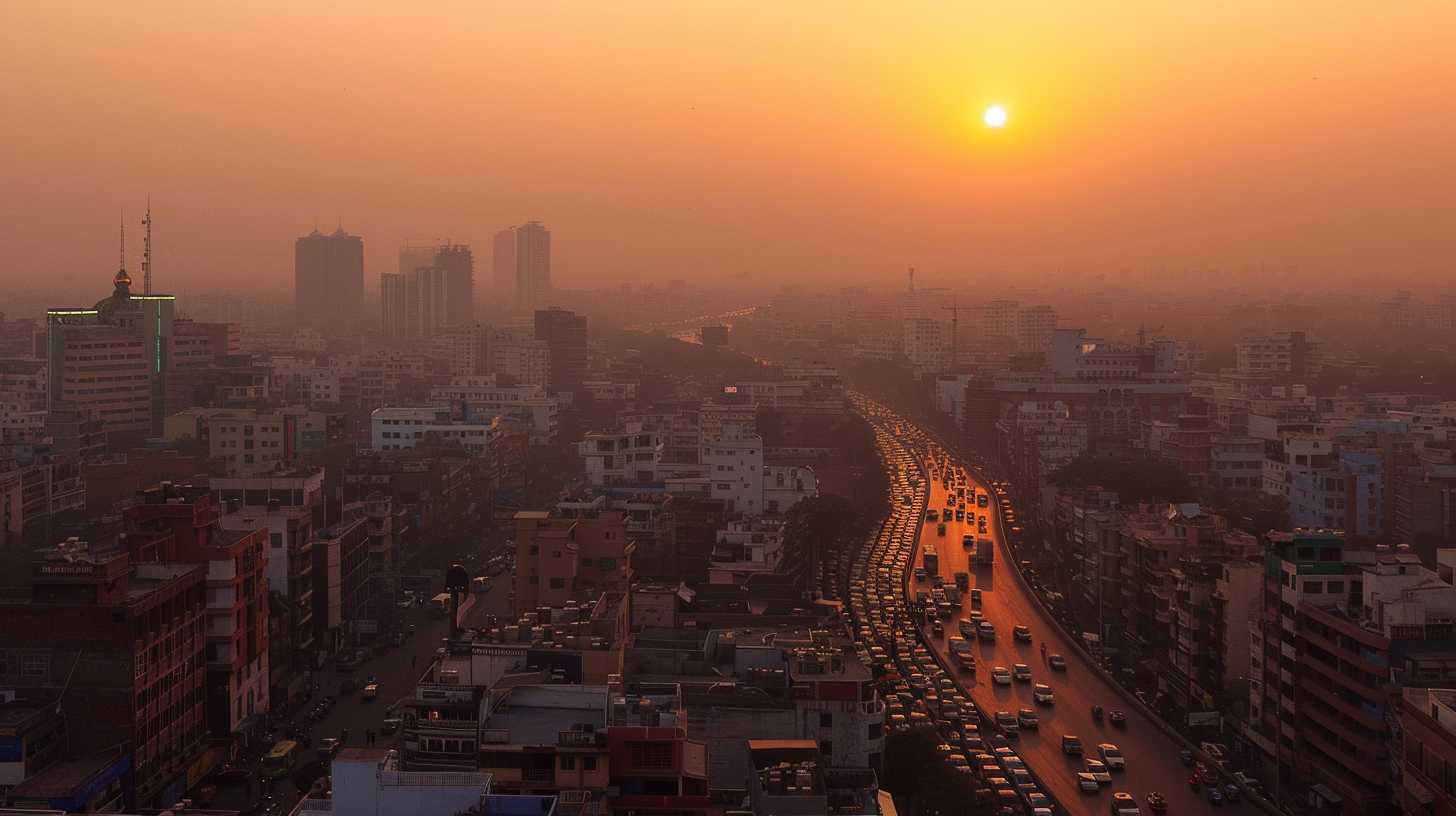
x=1153, y=761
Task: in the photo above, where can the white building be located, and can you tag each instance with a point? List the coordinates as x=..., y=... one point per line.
x=480, y=398
x=395, y=429
x=247, y=442
x=517, y=354
x=734, y=465
x=926, y=343
x=745, y=549
x=370, y=782
x=629, y=456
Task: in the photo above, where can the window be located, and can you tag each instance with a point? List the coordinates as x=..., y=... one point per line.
x=607, y=564
x=1335, y=587
x=826, y=719
x=558, y=583
x=875, y=730
x=276, y=539
x=588, y=763
x=827, y=748
x=651, y=755
x=35, y=666
x=1314, y=587
x=568, y=762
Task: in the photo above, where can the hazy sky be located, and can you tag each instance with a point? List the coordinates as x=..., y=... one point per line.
x=781, y=141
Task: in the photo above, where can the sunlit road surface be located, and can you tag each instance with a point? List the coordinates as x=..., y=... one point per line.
x=1153, y=762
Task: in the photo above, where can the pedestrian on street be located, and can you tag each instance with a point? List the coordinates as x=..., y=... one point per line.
x=344, y=737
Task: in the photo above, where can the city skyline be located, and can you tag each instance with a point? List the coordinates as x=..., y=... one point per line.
x=1288, y=143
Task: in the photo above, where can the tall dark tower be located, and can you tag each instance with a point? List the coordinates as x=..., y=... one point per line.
x=328, y=281
x=459, y=266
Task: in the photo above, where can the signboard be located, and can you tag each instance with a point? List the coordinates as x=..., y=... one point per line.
x=1200, y=718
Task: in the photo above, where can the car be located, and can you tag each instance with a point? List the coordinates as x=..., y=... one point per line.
x=937, y=629
x=976, y=595
x=1099, y=770
x=1157, y=802
x=1215, y=795
x=1071, y=745
x=1117, y=717
x=371, y=691
x=1042, y=693
x=985, y=630
x=1007, y=723
x=1097, y=713
x=1038, y=802
x=327, y=747
x=1057, y=662
x=1123, y=804
x=1021, y=672
x=1001, y=676
x=1022, y=632
x=390, y=725
x=1027, y=718
x=1088, y=783
x=920, y=575
x=1231, y=792
x=1112, y=755
x=967, y=627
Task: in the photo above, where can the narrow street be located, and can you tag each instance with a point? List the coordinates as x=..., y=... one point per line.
x=396, y=671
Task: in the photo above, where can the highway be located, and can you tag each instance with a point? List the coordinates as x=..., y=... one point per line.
x=1153, y=761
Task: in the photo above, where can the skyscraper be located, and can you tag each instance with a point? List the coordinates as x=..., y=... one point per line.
x=533, y=265
x=328, y=280
x=459, y=266
x=503, y=263
x=394, y=299
x=564, y=333
x=113, y=359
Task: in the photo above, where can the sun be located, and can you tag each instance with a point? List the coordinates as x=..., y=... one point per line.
x=994, y=117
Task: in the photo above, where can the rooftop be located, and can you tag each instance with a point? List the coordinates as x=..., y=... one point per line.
x=536, y=715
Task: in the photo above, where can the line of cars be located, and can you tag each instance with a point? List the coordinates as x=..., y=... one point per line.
x=919, y=693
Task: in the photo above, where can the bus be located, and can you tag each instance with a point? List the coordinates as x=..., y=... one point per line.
x=280, y=761
x=440, y=605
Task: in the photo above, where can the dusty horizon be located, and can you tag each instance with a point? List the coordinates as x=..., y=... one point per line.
x=727, y=143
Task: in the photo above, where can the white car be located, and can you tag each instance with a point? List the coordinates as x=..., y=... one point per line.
x=1112, y=755
x=1001, y=676
x=1099, y=771
x=1021, y=672
x=1042, y=693
x=1088, y=783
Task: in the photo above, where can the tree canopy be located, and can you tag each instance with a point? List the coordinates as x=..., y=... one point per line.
x=1136, y=481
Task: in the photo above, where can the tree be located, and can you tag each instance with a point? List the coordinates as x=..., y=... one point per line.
x=1135, y=481
x=915, y=769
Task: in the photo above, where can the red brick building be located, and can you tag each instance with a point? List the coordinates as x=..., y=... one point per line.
x=179, y=523
x=121, y=646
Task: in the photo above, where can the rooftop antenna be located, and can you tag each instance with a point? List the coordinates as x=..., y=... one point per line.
x=121, y=256
x=147, y=250
x=911, y=276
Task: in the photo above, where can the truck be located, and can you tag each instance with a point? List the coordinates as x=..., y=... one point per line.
x=962, y=581
x=985, y=553
x=932, y=561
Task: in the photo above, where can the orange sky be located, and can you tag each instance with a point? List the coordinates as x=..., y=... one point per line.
x=781, y=141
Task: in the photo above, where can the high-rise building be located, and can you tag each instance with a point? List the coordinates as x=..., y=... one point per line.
x=503, y=262
x=459, y=266
x=393, y=298
x=328, y=279
x=564, y=333
x=113, y=359
x=533, y=265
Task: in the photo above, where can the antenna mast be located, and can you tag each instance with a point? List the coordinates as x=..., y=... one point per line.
x=147, y=250
x=121, y=255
